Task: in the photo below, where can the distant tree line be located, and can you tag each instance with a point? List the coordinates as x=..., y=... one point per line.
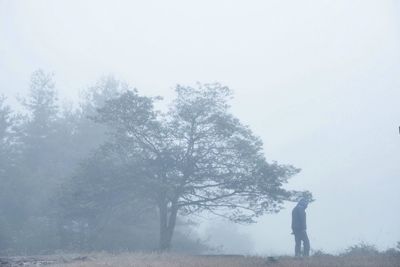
x=114, y=173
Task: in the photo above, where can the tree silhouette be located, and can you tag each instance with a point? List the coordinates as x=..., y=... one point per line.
x=196, y=157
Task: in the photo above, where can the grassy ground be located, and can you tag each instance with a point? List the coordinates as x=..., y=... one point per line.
x=171, y=260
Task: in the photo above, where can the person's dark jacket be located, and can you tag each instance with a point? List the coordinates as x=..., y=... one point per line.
x=299, y=223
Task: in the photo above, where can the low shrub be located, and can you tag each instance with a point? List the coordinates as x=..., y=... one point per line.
x=361, y=249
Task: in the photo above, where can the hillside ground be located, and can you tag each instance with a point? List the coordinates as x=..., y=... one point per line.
x=175, y=260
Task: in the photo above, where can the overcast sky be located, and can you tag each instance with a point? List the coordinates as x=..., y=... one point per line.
x=318, y=81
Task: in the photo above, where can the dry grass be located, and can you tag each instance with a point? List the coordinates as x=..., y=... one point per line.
x=172, y=260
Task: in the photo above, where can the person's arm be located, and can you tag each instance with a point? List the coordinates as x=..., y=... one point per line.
x=293, y=221
x=303, y=220
x=296, y=220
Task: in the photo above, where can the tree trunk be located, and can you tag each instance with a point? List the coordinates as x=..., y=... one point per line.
x=167, y=225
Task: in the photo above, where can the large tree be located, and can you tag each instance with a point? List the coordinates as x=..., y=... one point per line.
x=196, y=157
x=5, y=136
x=12, y=202
x=93, y=212
x=39, y=129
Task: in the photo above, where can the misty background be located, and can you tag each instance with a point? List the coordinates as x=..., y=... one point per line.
x=317, y=81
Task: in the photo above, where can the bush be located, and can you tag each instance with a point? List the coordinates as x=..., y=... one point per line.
x=393, y=251
x=320, y=253
x=361, y=249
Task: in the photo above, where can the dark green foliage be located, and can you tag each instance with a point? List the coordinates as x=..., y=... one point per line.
x=10, y=211
x=39, y=152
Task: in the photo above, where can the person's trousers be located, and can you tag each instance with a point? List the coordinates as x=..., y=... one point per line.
x=301, y=237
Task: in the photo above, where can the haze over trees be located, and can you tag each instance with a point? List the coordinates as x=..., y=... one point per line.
x=115, y=173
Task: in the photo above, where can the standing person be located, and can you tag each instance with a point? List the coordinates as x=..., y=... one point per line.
x=299, y=228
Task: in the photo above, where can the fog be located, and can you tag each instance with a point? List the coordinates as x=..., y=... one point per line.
x=317, y=81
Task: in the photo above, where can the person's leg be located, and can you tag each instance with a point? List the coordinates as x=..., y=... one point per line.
x=306, y=244
x=297, y=248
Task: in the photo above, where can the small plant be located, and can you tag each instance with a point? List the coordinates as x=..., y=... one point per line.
x=361, y=249
x=320, y=253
